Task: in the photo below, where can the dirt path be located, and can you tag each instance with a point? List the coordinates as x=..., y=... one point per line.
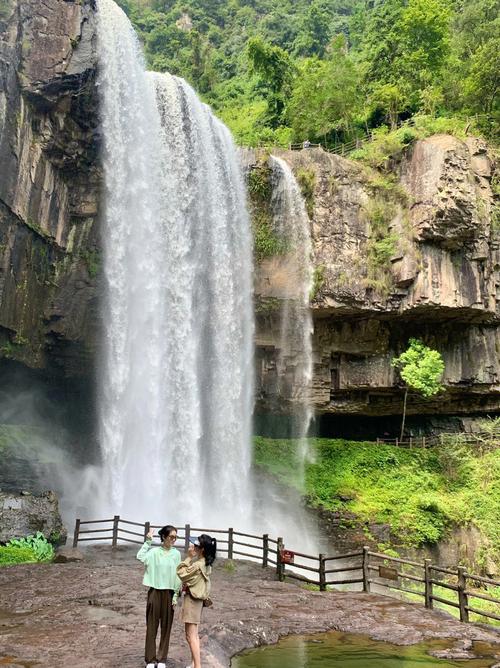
x=92, y=614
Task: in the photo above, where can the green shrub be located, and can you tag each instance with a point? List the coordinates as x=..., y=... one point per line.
x=419, y=493
x=306, y=178
x=318, y=281
x=10, y=554
x=38, y=544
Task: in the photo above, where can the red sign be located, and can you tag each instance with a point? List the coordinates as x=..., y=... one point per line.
x=287, y=556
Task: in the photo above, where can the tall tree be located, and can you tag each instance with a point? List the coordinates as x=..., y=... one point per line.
x=325, y=97
x=421, y=368
x=275, y=69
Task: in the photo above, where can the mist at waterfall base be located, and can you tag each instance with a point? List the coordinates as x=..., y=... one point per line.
x=46, y=439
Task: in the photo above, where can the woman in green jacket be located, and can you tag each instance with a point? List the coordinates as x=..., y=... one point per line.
x=195, y=572
x=161, y=577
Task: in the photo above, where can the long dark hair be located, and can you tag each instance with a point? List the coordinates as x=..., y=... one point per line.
x=209, y=546
x=164, y=531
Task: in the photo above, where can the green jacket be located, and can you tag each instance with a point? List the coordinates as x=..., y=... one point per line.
x=195, y=575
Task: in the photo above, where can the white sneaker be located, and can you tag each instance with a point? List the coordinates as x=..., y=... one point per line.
x=151, y=665
x=161, y=665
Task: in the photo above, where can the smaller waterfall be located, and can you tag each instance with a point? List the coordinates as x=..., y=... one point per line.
x=292, y=226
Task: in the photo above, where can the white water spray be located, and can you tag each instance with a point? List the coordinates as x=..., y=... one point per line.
x=176, y=383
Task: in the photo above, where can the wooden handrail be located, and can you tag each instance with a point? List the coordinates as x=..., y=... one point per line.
x=390, y=580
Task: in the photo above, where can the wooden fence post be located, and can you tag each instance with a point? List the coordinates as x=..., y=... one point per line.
x=147, y=527
x=230, y=543
x=322, y=574
x=462, y=596
x=265, y=549
x=366, y=571
x=76, y=533
x=114, y=541
x=279, y=547
x=187, y=536
x=428, y=584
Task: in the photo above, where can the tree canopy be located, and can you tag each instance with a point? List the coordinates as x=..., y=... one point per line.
x=328, y=70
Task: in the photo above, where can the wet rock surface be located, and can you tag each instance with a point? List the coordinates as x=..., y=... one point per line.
x=92, y=613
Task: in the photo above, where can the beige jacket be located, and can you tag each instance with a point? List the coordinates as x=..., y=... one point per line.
x=196, y=575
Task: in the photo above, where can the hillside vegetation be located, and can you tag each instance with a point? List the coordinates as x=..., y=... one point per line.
x=420, y=493
x=329, y=70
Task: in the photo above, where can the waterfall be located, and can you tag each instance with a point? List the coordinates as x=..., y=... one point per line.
x=176, y=385
x=295, y=365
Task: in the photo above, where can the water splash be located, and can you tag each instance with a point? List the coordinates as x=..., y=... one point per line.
x=176, y=382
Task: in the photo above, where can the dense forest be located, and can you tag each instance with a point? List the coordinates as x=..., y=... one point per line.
x=283, y=71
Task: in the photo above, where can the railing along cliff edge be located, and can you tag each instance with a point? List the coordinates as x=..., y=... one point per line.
x=369, y=568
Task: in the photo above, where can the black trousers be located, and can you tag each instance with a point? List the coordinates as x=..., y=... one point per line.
x=159, y=611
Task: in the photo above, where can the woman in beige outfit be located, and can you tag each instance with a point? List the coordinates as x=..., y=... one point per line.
x=194, y=572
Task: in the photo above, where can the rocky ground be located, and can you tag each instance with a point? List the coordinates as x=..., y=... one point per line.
x=92, y=614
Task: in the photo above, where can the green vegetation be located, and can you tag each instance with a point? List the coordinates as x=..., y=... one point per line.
x=381, y=245
x=306, y=178
x=26, y=550
x=92, y=260
x=421, y=368
x=317, y=282
x=16, y=555
x=38, y=544
x=410, y=490
x=266, y=240
x=329, y=70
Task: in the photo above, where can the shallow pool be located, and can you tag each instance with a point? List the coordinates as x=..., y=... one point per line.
x=355, y=651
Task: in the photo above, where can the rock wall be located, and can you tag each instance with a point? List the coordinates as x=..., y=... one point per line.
x=440, y=282
x=49, y=183
x=24, y=514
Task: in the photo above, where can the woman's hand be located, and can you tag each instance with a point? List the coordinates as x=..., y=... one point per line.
x=150, y=534
x=191, y=551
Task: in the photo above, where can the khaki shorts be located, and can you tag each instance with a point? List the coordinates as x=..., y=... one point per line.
x=191, y=609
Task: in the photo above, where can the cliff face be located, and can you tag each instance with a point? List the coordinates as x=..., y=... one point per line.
x=415, y=255
x=49, y=183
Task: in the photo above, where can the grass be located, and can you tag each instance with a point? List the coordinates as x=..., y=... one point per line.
x=16, y=555
x=449, y=595
x=412, y=491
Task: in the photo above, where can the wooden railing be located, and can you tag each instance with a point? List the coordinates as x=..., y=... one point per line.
x=364, y=567
x=431, y=441
x=345, y=148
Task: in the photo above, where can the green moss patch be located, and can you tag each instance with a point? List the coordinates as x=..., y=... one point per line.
x=412, y=491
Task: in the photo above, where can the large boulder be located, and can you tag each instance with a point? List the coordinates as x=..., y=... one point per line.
x=23, y=514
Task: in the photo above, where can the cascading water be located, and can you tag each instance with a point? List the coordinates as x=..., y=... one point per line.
x=176, y=382
x=292, y=226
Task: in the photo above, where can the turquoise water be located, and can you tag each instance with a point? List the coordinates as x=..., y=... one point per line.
x=354, y=651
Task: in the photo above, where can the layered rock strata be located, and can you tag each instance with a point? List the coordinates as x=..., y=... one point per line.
x=434, y=274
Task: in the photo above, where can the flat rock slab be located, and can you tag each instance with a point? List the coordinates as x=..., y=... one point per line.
x=92, y=613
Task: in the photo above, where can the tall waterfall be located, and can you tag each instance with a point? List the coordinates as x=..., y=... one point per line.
x=176, y=381
x=295, y=365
